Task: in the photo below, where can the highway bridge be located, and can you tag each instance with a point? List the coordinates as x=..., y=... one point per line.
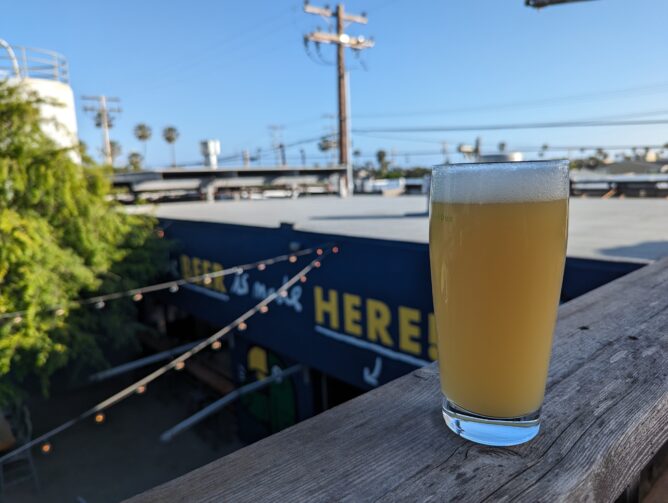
x=209, y=183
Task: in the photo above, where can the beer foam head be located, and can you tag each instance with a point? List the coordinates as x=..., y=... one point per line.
x=500, y=182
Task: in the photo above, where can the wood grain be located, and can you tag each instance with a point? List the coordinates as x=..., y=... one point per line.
x=605, y=416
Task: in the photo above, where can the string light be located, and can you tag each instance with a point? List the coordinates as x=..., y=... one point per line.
x=335, y=249
x=303, y=279
x=137, y=294
x=160, y=233
x=216, y=345
x=178, y=364
x=284, y=293
x=264, y=309
x=316, y=263
x=242, y=326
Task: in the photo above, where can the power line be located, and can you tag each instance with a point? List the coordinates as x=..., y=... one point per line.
x=592, y=96
x=221, y=63
x=239, y=38
x=498, y=127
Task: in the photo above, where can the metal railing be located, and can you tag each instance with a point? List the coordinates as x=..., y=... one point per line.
x=29, y=62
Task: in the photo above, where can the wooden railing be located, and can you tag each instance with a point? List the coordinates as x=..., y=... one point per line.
x=604, y=419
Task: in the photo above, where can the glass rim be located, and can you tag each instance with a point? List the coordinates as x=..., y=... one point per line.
x=541, y=163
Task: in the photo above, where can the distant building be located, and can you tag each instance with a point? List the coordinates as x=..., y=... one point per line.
x=636, y=167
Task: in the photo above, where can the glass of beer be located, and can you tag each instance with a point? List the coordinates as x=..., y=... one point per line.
x=497, y=246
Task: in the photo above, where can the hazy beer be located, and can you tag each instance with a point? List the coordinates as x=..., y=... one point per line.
x=497, y=242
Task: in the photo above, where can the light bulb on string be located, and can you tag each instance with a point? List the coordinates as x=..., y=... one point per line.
x=59, y=312
x=207, y=280
x=316, y=264
x=100, y=305
x=17, y=319
x=284, y=293
x=45, y=448
x=261, y=267
x=335, y=249
x=160, y=233
x=216, y=345
x=303, y=279
x=137, y=297
x=242, y=326
x=179, y=365
x=100, y=417
x=319, y=251
x=141, y=390
x=292, y=259
x=173, y=288
x=264, y=309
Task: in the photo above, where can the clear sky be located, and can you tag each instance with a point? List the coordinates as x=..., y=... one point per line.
x=227, y=69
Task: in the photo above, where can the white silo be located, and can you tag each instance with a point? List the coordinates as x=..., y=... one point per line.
x=46, y=73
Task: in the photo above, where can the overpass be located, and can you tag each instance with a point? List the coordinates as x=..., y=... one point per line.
x=208, y=182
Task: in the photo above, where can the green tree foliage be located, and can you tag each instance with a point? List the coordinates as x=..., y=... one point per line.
x=60, y=238
x=135, y=160
x=143, y=133
x=170, y=135
x=383, y=163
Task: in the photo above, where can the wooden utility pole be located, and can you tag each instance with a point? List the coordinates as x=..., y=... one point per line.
x=103, y=120
x=341, y=40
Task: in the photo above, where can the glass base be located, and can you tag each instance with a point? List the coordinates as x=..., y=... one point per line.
x=489, y=430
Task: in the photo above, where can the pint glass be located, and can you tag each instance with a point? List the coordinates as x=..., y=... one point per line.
x=497, y=245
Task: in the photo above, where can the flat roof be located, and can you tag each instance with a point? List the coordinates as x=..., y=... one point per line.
x=599, y=228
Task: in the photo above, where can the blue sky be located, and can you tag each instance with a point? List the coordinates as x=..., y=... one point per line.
x=227, y=69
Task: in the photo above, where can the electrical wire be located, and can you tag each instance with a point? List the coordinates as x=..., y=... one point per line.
x=497, y=127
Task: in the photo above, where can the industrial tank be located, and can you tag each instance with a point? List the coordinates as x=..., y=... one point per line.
x=46, y=73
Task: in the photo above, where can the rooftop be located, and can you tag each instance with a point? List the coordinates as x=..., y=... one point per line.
x=599, y=228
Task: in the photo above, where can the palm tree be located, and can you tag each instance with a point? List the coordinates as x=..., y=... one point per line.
x=383, y=163
x=134, y=161
x=143, y=134
x=171, y=134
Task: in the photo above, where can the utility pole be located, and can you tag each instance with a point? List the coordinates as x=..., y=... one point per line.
x=444, y=150
x=103, y=120
x=277, y=142
x=281, y=148
x=341, y=40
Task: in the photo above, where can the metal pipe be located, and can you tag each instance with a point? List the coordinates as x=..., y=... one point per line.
x=15, y=64
x=141, y=362
x=276, y=375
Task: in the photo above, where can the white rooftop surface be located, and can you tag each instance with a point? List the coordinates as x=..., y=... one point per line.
x=599, y=228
